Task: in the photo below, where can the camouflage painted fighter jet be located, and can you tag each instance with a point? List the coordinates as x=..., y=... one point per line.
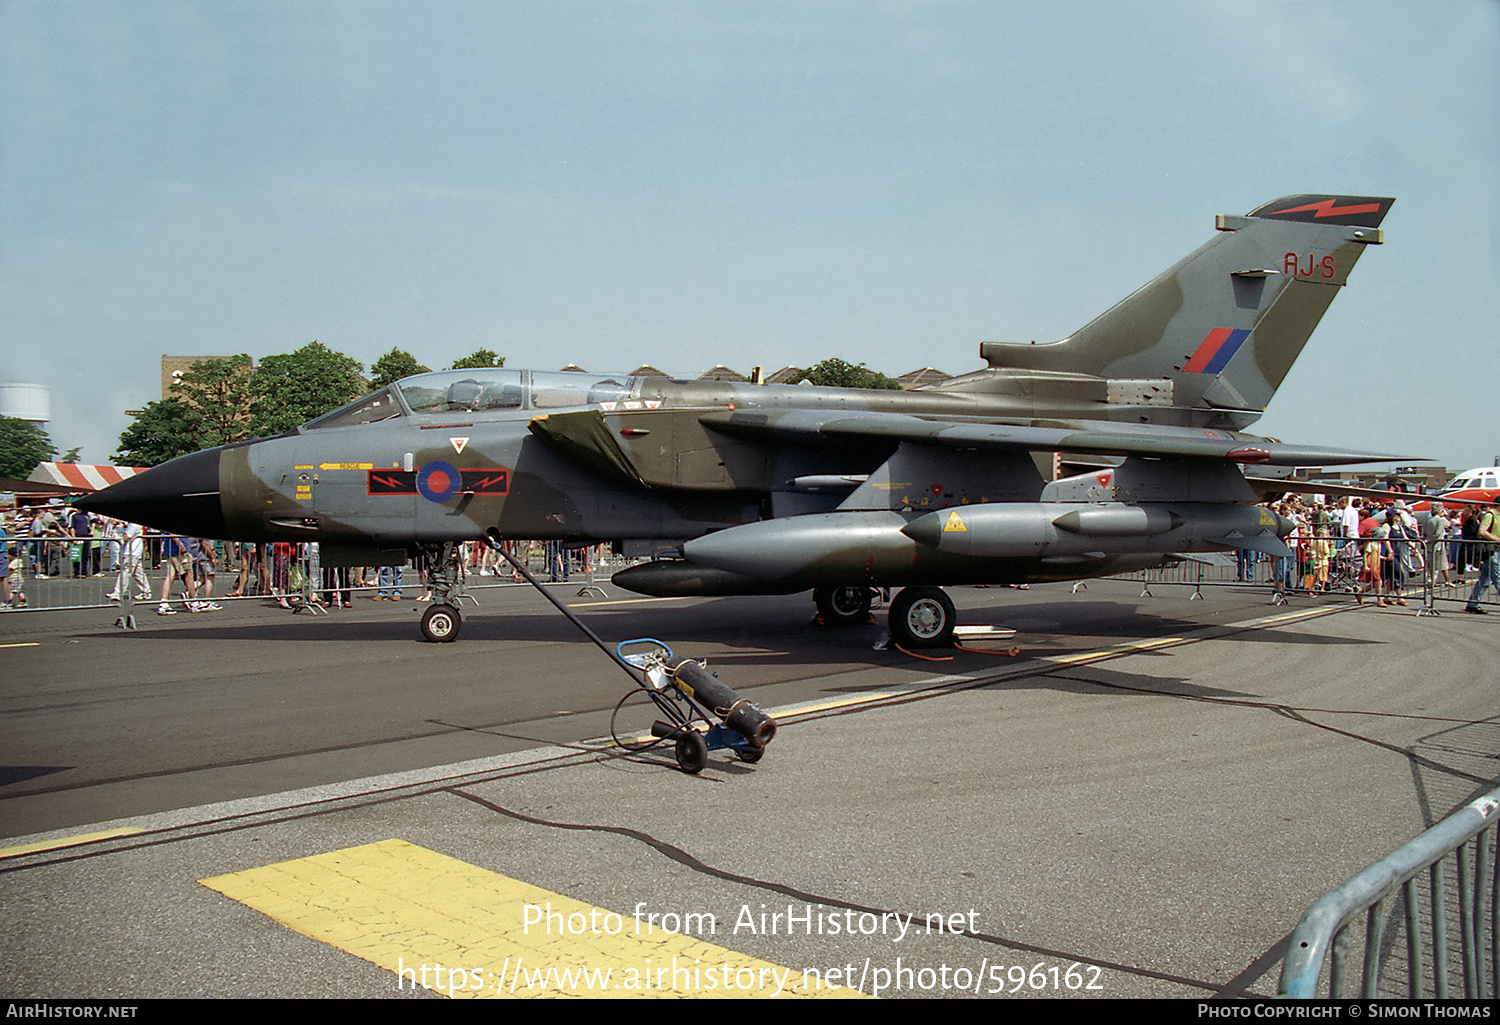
x=778, y=489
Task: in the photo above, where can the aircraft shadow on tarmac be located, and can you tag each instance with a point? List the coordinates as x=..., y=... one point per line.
x=21, y=773
x=1085, y=681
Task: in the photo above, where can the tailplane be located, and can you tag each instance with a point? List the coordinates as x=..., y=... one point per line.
x=1225, y=324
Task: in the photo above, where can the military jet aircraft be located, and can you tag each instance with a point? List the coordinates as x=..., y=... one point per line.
x=778, y=489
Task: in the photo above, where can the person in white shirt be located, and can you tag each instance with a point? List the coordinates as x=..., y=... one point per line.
x=132, y=568
x=1350, y=516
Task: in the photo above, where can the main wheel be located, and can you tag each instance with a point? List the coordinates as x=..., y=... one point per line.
x=692, y=751
x=843, y=606
x=922, y=617
x=440, y=624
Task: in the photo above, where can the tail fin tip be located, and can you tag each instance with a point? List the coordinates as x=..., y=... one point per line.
x=1353, y=211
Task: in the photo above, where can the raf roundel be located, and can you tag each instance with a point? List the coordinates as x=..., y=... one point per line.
x=437, y=481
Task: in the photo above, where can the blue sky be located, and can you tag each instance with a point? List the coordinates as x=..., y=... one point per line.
x=693, y=183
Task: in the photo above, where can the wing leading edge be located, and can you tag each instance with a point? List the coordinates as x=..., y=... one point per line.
x=1097, y=437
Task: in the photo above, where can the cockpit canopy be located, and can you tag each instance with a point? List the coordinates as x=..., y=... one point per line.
x=486, y=390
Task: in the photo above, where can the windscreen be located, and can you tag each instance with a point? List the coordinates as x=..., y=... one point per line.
x=371, y=408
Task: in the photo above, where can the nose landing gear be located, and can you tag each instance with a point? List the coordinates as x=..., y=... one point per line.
x=441, y=623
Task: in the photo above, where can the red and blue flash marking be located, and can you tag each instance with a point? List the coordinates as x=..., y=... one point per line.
x=1216, y=351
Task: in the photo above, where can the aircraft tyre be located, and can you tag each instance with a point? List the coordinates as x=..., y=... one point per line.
x=440, y=624
x=922, y=617
x=843, y=606
x=692, y=752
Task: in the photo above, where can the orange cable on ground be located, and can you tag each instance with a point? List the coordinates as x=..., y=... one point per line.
x=924, y=658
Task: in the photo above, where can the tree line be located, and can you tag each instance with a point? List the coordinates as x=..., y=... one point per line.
x=222, y=400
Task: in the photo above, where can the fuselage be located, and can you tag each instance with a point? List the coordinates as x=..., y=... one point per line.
x=450, y=455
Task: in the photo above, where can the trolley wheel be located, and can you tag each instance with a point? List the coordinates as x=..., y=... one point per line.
x=922, y=617
x=692, y=752
x=440, y=624
x=750, y=754
x=843, y=606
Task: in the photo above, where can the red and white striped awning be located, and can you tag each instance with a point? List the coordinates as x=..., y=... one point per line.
x=81, y=476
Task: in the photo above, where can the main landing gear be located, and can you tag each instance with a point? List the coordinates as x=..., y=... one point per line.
x=920, y=617
x=844, y=606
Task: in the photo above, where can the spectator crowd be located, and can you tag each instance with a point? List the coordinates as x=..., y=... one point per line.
x=1378, y=548
x=55, y=541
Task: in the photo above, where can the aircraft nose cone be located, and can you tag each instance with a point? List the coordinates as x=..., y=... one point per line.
x=180, y=496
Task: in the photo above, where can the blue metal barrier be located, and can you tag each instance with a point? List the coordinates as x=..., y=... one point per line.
x=1326, y=931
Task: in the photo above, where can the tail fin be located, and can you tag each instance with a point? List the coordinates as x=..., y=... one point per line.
x=1225, y=324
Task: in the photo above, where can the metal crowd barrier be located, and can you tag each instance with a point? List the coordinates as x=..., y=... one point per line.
x=58, y=574
x=1464, y=559
x=1389, y=895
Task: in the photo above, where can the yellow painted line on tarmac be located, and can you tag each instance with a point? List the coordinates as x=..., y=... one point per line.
x=458, y=929
x=1113, y=650
x=1283, y=617
x=836, y=703
x=67, y=841
x=621, y=601
x=1280, y=619
x=21, y=644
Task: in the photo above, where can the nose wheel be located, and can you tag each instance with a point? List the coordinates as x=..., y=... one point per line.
x=441, y=623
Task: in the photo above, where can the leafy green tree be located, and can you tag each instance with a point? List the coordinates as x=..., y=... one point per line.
x=219, y=389
x=163, y=430
x=393, y=366
x=71, y=455
x=293, y=388
x=479, y=359
x=836, y=373
x=209, y=405
x=22, y=445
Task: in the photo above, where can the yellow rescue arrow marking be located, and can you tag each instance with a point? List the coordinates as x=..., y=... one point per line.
x=409, y=909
